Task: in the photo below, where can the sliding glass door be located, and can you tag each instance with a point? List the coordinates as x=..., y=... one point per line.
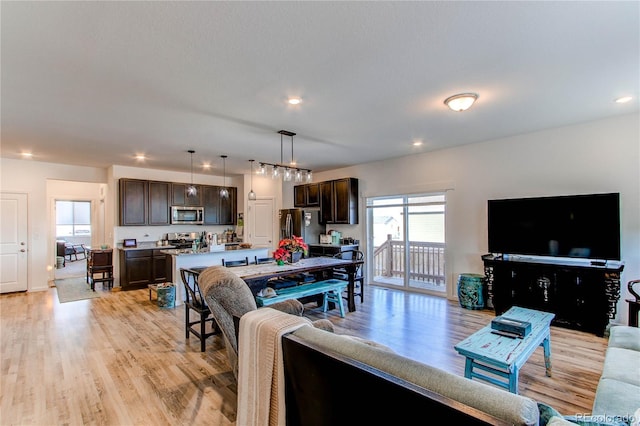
x=407, y=242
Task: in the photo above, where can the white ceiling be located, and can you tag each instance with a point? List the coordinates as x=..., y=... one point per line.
x=94, y=83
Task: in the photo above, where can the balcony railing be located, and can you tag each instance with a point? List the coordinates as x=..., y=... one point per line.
x=426, y=261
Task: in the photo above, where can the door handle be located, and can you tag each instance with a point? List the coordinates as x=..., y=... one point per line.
x=23, y=250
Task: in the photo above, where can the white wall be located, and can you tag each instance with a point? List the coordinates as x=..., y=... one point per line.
x=599, y=156
x=32, y=177
x=594, y=157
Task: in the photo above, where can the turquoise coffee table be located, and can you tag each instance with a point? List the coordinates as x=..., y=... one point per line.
x=502, y=356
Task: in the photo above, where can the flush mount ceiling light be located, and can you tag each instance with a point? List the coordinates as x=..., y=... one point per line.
x=191, y=189
x=252, y=195
x=461, y=102
x=287, y=171
x=294, y=101
x=224, y=192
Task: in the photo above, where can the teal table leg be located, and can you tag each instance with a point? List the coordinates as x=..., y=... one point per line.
x=468, y=366
x=513, y=380
x=547, y=354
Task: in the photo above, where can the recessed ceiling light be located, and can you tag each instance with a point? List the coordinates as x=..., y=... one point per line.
x=294, y=101
x=140, y=157
x=624, y=99
x=26, y=155
x=417, y=142
x=206, y=166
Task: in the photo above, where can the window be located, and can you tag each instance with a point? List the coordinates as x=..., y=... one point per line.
x=408, y=239
x=73, y=219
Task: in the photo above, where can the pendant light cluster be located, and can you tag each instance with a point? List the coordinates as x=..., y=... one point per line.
x=287, y=171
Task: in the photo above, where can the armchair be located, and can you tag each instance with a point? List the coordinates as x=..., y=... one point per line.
x=229, y=297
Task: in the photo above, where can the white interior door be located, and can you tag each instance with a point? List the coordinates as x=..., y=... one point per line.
x=263, y=216
x=13, y=242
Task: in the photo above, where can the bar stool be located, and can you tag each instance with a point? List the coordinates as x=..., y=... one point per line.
x=195, y=302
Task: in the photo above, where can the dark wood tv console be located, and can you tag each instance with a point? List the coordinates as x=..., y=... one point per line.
x=582, y=295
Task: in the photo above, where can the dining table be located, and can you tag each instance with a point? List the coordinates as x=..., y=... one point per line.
x=257, y=275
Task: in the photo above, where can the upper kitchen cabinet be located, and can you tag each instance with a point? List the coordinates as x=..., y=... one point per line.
x=339, y=201
x=144, y=202
x=159, y=203
x=306, y=195
x=179, y=196
x=133, y=202
x=218, y=210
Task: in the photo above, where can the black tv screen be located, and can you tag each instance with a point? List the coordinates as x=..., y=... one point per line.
x=582, y=226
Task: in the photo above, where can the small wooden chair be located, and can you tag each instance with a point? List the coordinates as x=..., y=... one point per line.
x=100, y=262
x=260, y=260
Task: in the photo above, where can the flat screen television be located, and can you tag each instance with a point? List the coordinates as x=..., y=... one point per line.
x=580, y=226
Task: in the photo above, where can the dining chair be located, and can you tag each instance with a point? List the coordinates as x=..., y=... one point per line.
x=100, y=262
x=261, y=260
x=229, y=297
x=358, y=279
x=232, y=263
x=195, y=302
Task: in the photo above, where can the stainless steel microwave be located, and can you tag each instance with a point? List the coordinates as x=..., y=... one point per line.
x=187, y=215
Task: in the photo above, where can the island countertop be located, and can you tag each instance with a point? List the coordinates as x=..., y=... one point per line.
x=190, y=252
x=205, y=258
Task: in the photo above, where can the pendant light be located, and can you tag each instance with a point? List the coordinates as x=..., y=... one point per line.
x=289, y=171
x=252, y=195
x=192, y=191
x=224, y=192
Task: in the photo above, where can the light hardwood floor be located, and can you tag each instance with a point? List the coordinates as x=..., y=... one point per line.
x=121, y=360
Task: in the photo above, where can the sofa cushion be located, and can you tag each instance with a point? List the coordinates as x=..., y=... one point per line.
x=623, y=365
x=512, y=408
x=616, y=398
x=625, y=337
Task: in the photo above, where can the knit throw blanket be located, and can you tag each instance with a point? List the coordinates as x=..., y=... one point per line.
x=260, y=366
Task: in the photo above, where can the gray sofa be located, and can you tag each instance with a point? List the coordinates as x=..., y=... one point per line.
x=618, y=392
x=322, y=369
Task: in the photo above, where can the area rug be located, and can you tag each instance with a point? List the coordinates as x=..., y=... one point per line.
x=72, y=289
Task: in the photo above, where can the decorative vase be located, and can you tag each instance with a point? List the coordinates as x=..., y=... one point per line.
x=471, y=291
x=280, y=262
x=296, y=256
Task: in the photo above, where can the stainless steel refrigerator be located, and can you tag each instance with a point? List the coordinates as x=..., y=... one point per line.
x=301, y=223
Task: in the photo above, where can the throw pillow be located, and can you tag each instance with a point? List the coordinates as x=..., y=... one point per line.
x=546, y=413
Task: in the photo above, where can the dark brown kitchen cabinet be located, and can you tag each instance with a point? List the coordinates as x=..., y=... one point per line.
x=218, y=210
x=179, y=196
x=158, y=204
x=139, y=268
x=144, y=202
x=339, y=201
x=133, y=202
x=306, y=195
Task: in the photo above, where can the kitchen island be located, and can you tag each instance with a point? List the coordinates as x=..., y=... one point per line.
x=187, y=258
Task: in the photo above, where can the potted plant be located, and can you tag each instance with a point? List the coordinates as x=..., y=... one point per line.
x=291, y=248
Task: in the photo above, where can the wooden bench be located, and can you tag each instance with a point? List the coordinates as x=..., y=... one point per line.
x=330, y=289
